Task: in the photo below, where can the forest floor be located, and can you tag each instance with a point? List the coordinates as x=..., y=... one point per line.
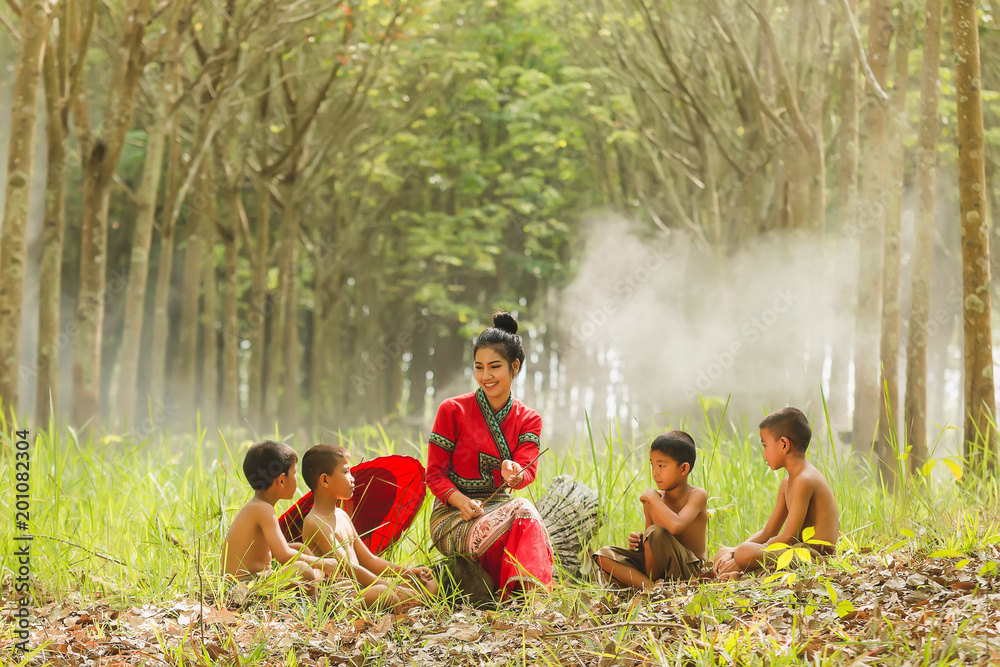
x=893, y=608
x=126, y=537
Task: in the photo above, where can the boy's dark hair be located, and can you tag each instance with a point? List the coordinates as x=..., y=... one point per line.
x=265, y=461
x=503, y=338
x=319, y=460
x=789, y=423
x=678, y=445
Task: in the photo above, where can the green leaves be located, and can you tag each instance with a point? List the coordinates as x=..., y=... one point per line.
x=785, y=558
x=953, y=466
x=844, y=607
x=788, y=553
x=486, y=176
x=832, y=594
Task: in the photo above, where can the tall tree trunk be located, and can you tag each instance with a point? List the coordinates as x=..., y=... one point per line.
x=937, y=372
x=847, y=198
x=135, y=296
x=396, y=331
x=336, y=328
x=318, y=379
x=20, y=158
x=915, y=409
x=288, y=349
x=348, y=353
x=275, y=350
x=164, y=269
x=979, y=434
x=99, y=158
x=210, y=327
x=888, y=444
x=316, y=360
x=798, y=26
x=53, y=231
x=869, y=231
x=372, y=333
x=187, y=337
x=259, y=307
x=419, y=365
x=813, y=113
x=259, y=253
x=798, y=186
x=231, y=335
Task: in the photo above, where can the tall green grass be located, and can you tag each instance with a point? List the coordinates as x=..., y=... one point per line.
x=114, y=517
x=142, y=522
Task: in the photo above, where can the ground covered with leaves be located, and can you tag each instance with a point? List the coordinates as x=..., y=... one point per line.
x=894, y=608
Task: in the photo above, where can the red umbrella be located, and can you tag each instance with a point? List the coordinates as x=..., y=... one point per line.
x=388, y=493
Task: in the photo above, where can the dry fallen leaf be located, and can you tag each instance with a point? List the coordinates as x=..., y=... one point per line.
x=383, y=626
x=460, y=632
x=220, y=616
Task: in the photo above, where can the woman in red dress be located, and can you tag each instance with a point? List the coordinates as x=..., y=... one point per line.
x=481, y=440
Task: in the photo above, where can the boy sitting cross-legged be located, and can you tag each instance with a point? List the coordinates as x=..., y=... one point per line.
x=673, y=544
x=254, y=538
x=804, y=499
x=329, y=531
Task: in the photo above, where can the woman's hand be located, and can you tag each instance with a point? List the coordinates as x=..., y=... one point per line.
x=471, y=510
x=511, y=473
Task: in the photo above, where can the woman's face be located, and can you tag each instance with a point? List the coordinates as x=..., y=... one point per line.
x=494, y=374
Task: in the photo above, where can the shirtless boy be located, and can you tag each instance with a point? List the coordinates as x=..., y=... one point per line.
x=328, y=531
x=804, y=499
x=254, y=538
x=673, y=544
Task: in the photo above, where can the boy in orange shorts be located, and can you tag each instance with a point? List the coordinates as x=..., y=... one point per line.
x=329, y=531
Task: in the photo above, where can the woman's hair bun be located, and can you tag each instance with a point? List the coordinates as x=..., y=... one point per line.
x=503, y=338
x=505, y=321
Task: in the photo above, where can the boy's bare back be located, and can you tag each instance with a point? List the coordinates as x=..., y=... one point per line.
x=246, y=549
x=805, y=500
x=809, y=502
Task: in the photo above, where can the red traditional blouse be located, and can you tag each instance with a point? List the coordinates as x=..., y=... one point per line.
x=469, y=441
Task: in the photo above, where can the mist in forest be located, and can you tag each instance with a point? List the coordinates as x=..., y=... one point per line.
x=687, y=322
x=761, y=326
